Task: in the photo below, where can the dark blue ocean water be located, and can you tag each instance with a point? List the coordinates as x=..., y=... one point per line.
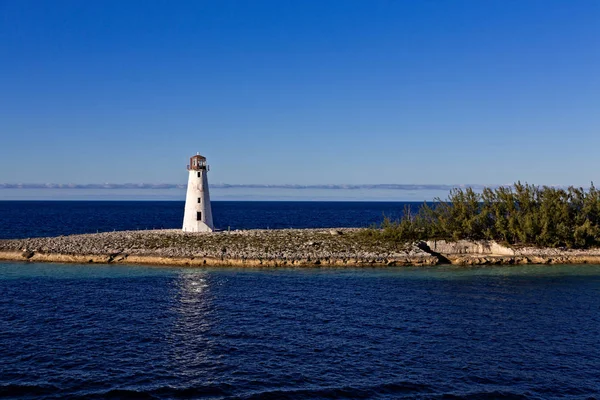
x=19, y=219
x=79, y=331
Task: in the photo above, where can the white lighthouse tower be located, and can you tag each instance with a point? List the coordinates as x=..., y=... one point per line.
x=198, y=214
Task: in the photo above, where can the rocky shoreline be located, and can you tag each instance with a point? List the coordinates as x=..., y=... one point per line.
x=275, y=248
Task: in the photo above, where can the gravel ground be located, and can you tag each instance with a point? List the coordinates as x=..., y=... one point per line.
x=335, y=247
x=284, y=244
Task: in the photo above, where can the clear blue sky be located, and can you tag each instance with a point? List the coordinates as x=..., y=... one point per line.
x=300, y=92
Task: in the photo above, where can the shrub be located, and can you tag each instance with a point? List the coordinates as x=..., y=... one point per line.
x=523, y=214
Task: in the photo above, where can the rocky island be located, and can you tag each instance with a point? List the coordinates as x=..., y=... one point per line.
x=278, y=248
x=523, y=224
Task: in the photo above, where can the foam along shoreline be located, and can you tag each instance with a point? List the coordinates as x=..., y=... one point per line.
x=275, y=248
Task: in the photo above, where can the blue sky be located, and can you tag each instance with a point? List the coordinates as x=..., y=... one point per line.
x=300, y=92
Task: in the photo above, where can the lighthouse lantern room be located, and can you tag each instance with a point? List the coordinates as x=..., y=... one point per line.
x=198, y=214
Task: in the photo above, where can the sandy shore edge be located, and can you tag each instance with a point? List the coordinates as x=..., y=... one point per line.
x=208, y=261
x=464, y=260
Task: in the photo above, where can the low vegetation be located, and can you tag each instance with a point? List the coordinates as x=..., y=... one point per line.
x=523, y=214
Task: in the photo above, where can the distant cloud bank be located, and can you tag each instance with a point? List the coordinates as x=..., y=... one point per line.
x=91, y=186
x=411, y=187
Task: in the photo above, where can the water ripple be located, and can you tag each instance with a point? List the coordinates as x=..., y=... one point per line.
x=143, y=332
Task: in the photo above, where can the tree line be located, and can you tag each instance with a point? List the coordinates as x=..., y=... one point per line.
x=521, y=214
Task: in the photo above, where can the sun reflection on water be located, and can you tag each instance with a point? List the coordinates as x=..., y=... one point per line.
x=191, y=345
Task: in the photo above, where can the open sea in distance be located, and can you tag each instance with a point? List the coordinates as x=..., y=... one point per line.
x=131, y=332
x=20, y=219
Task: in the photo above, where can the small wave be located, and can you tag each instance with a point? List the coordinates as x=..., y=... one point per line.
x=481, y=380
x=492, y=395
x=196, y=391
x=124, y=394
x=347, y=392
x=223, y=390
x=24, y=391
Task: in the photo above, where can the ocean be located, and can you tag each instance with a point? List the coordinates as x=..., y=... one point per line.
x=130, y=332
x=21, y=219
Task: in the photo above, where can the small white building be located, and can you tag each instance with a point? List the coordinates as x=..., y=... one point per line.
x=198, y=214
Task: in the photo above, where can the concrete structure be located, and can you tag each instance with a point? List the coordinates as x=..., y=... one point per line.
x=198, y=214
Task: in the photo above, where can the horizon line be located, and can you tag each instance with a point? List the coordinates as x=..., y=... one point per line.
x=385, y=186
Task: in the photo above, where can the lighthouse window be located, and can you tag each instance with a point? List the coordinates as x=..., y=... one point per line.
x=198, y=216
x=199, y=199
x=198, y=174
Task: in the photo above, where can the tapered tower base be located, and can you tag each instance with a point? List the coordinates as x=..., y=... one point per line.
x=197, y=216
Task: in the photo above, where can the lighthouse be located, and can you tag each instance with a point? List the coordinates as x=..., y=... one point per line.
x=198, y=214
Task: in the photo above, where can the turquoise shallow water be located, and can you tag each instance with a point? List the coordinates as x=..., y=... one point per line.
x=19, y=270
x=443, y=332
